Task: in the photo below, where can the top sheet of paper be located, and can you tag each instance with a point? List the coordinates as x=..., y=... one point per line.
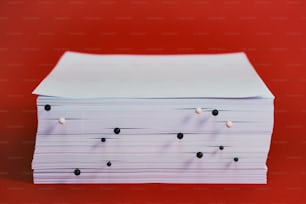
x=78, y=75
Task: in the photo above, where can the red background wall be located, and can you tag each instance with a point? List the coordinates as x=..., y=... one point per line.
x=34, y=34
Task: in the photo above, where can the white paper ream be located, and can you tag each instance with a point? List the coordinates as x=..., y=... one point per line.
x=78, y=75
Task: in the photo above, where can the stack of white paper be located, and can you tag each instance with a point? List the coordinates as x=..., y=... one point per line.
x=152, y=119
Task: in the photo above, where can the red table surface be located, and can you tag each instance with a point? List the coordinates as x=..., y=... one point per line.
x=34, y=34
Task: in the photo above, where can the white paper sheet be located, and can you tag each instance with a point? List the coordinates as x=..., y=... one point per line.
x=78, y=75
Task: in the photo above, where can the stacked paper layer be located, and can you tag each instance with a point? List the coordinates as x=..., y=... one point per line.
x=126, y=125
